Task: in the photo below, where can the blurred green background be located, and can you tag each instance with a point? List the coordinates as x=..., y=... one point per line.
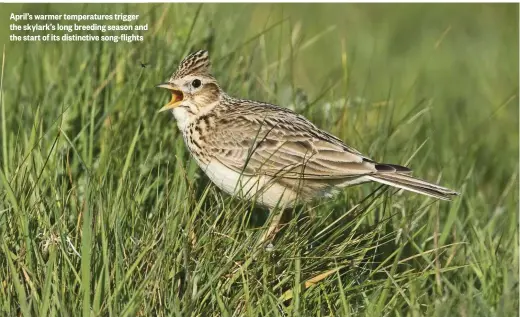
x=434, y=86
x=463, y=58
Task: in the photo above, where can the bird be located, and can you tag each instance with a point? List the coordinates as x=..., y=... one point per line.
x=259, y=151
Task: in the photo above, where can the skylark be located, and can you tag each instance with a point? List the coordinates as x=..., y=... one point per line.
x=255, y=150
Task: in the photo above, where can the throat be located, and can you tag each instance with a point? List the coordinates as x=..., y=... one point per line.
x=183, y=116
x=190, y=112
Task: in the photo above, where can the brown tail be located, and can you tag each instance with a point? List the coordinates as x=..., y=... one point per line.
x=413, y=184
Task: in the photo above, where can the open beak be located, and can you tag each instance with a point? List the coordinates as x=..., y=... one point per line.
x=177, y=96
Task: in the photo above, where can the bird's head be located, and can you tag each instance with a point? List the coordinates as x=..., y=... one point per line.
x=192, y=86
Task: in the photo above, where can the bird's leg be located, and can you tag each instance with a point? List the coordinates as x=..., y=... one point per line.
x=274, y=227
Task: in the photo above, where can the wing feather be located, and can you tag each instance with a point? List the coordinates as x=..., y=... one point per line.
x=283, y=144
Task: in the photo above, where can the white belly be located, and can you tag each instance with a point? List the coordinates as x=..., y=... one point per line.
x=259, y=188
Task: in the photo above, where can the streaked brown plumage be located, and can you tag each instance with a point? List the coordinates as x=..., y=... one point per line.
x=258, y=150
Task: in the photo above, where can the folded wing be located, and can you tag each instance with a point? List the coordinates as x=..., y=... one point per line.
x=284, y=145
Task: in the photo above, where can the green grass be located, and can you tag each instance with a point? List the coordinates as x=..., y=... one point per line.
x=103, y=213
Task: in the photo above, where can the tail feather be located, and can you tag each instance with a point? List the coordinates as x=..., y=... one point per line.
x=413, y=184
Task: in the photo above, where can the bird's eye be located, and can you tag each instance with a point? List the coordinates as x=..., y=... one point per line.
x=196, y=83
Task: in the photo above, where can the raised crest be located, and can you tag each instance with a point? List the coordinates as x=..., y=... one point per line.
x=196, y=63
